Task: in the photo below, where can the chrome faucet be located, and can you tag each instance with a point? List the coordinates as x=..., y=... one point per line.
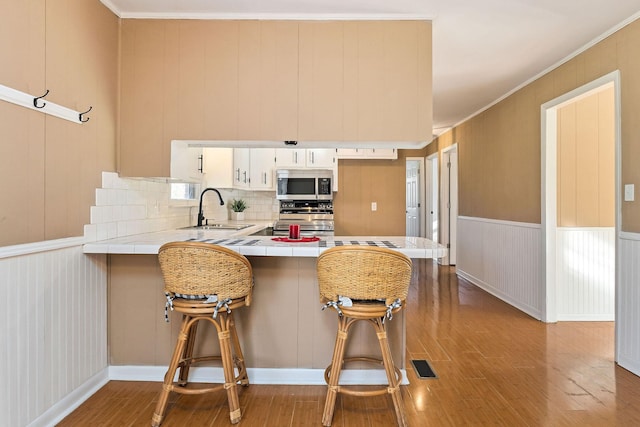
x=200, y=214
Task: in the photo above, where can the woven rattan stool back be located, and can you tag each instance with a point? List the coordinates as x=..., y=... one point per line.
x=363, y=273
x=194, y=268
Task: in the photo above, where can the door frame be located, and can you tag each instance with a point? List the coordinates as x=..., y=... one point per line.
x=432, y=195
x=421, y=192
x=549, y=191
x=448, y=225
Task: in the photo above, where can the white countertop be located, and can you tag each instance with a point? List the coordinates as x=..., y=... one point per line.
x=241, y=241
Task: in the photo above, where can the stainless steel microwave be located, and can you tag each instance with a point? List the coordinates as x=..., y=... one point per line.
x=304, y=184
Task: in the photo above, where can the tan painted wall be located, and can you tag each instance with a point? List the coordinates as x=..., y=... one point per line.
x=49, y=167
x=361, y=182
x=499, y=149
x=586, y=162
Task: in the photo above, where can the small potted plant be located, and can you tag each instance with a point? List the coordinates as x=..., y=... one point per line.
x=237, y=209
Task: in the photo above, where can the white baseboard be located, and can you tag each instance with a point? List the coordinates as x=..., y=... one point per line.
x=630, y=365
x=70, y=402
x=531, y=311
x=256, y=375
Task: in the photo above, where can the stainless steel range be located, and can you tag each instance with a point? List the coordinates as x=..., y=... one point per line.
x=315, y=217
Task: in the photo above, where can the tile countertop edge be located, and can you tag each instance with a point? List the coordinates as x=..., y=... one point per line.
x=149, y=244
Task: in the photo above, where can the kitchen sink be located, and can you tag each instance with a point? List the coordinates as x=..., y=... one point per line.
x=219, y=226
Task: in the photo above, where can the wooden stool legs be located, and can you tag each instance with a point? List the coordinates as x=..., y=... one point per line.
x=332, y=373
x=230, y=354
x=336, y=367
x=394, y=377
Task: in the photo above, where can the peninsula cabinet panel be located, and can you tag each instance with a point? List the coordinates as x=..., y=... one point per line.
x=267, y=80
x=249, y=80
x=278, y=80
x=191, y=61
x=321, y=86
x=387, y=80
x=220, y=90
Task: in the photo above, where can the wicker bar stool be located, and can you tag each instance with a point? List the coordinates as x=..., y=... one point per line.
x=205, y=282
x=363, y=283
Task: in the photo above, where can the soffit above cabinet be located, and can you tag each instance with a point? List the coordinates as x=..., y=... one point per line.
x=400, y=145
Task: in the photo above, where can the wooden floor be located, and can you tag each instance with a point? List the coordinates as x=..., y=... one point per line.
x=495, y=365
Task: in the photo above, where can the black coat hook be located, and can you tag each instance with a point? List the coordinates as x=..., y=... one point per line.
x=35, y=100
x=82, y=114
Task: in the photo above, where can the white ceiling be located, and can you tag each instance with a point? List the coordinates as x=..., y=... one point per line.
x=482, y=49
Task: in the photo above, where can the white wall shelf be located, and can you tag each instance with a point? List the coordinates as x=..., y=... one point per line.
x=40, y=103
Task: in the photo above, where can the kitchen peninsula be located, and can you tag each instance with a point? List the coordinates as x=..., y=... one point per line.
x=285, y=335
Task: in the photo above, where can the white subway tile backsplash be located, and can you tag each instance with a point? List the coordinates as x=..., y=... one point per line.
x=102, y=197
x=126, y=206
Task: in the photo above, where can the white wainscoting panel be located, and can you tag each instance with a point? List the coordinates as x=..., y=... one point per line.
x=54, y=329
x=585, y=273
x=628, y=309
x=503, y=258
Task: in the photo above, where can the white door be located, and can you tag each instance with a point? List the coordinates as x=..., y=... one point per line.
x=413, y=198
x=449, y=202
x=431, y=185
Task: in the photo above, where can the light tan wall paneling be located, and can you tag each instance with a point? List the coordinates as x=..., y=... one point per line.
x=270, y=81
x=22, y=35
x=586, y=162
x=278, y=102
x=143, y=91
x=49, y=167
x=322, y=91
x=362, y=182
x=221, y=80
x=282, y=328
x=249, y=80
x=76, y=58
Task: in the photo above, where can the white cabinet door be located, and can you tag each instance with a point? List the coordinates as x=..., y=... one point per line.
x=290, y=158
x=381, y=153
x=241, y=163
x=367, y=153
x=350, y=153
x=262, y=164
x=320, y=157
x=218, y=167
x=186, y=162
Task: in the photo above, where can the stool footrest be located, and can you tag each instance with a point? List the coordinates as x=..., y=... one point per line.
x=384, y=389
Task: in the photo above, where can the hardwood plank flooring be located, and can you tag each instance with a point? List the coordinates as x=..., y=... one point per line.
x=495, y=365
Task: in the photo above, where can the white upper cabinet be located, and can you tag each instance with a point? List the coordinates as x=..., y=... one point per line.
x=218, y=167
x=241, y=165
x=300, y=158
x=262, y=166
x=367, y=153
x=321, y=158
x=290, y=158
x=247, y=168
x=186, y=162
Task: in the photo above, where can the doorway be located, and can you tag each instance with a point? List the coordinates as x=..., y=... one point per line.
x=449, y=203
x=565, y=263
x=415, y=221
x=431, y=175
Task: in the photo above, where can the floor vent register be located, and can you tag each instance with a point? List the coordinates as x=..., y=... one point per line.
x=423, y=369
